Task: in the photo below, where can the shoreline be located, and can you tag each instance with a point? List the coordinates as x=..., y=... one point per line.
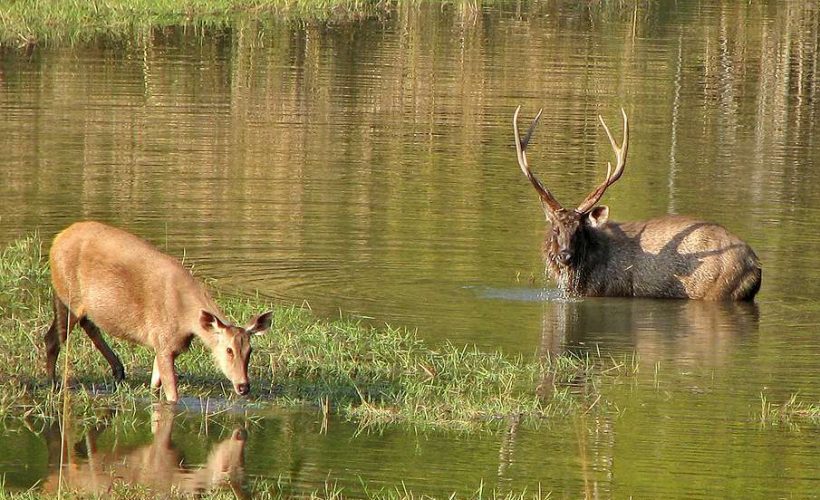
x=26, y=24
x=368, y=375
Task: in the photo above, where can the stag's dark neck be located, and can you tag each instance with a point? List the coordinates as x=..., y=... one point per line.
x=581, y=277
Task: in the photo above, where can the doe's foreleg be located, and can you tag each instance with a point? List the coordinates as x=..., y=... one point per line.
x=95, y=335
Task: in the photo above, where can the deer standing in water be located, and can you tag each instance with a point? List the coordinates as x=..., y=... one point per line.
x=104, y=277
x=666, y=257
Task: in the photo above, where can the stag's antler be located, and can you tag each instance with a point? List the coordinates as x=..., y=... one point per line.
x=611, y=177
x=520, y=148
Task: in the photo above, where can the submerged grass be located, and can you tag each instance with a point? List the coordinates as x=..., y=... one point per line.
x=790, y=413
x=369, y=375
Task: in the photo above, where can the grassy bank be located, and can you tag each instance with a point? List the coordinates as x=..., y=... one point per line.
x=369, y=375
x=36, y=22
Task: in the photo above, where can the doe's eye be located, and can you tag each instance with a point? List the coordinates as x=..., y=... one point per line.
x=230, y=352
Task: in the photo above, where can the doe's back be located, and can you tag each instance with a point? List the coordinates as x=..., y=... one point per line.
x=122, y=283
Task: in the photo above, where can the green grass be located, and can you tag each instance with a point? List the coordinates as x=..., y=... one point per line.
x=30, y=23
x=47, y=22
x=373, y=376
x=275, y=490
x=789, y=413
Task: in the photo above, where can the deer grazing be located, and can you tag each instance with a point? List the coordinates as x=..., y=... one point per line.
x=104, y=277
x=666, y=257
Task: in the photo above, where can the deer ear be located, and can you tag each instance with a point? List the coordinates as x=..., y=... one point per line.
x=260, y=323
x=598, y=216
x=211, y=323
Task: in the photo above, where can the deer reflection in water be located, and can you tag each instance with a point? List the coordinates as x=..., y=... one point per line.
x=697, y=332
x=158, y=466
x=686, y=333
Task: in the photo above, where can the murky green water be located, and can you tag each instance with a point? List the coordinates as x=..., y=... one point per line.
x=368, y=168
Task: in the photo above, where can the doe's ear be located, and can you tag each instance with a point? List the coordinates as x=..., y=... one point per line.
x=211, y=323
x=598, y=216
x=260, y=323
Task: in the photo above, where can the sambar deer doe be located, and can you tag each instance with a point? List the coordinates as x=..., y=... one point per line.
x=667, y=257
x=104, y=277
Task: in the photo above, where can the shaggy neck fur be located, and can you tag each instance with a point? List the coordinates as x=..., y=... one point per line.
x=587, y=253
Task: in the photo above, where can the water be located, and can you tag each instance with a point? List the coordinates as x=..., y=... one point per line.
x=368, y=169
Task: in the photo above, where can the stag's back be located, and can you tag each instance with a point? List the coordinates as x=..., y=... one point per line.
x=123, y=284
x=677, y=256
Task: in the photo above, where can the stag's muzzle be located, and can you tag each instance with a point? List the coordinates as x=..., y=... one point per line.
x=564, y=257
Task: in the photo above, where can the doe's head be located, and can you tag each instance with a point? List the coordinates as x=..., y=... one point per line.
x=232, y=348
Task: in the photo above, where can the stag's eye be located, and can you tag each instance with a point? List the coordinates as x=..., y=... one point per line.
x=230, y=352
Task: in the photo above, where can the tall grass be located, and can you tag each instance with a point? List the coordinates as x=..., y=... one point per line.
x=31, y=22
x=790, y=413
x=369, y=375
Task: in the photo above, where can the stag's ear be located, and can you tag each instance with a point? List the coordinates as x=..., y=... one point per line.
x=598, y=216
x=260, y=323
x=211, y=323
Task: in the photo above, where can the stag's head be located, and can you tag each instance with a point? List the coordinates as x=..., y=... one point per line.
x=568, y=239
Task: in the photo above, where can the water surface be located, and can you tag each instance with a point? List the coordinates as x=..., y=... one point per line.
x=367, y=169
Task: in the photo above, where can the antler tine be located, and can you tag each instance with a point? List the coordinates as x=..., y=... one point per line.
x=611, y=177
x=532, y=128
x=620, y=152
x=520, y=148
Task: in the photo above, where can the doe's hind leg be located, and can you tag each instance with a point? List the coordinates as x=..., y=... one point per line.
x=56, y=335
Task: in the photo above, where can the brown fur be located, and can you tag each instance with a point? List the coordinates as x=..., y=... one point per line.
x=158, y=466
x=666, y=257
x=104, y=277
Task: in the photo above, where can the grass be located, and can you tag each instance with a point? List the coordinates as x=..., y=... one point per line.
x=789, y=413
x=373, y=376
x=30, y=23
x=26, y=23
x=275, y=490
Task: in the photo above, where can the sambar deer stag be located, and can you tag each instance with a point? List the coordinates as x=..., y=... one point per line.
x=106, y=278
x=667, y=257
